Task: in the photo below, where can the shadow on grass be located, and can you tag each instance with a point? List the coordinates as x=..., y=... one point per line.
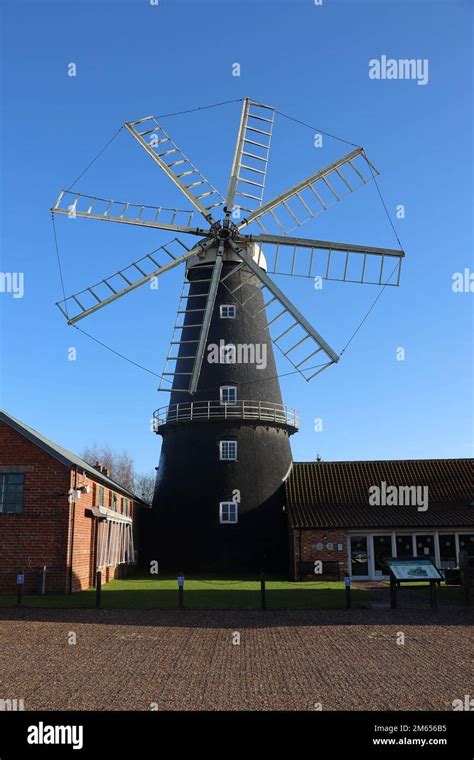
x=208, y=602
x=147, y=597
x=196, y=599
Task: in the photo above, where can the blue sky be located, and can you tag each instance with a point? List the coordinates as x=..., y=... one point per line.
x=311, y=62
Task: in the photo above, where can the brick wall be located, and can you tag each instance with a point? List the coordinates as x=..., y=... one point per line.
x=309, y=553
x=42, y=533
x=37, y=536
x=84, y=531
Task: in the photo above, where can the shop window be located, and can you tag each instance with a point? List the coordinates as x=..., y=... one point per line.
x=425, y=546
x=466, y=541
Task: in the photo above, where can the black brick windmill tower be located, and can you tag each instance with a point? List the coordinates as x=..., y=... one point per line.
x=225, y=452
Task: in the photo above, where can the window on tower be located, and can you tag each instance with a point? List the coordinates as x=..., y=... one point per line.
x=228, y=450
x=228, y=394
x=228, y=512
x=228, y=311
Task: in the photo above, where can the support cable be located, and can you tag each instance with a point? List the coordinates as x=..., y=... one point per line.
x=367, y=314
x=199, y=108
x=59, y=262
x=315, y=129
x=95, y=159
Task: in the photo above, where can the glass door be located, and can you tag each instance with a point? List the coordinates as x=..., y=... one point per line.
x=382, y=552
x=359, y=556
x=447, y=550
x=404, y=546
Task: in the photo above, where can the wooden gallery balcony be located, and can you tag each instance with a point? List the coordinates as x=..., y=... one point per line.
x=214, y=411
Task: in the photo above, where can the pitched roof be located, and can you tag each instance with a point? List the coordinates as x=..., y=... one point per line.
x=336, y=494
x=63, y=455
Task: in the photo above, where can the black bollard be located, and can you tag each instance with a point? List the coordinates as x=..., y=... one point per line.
x=262, y=591
x=181, y=591
x=393, y=593
x=98, y=589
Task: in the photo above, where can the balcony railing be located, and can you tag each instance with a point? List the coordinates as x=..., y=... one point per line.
x=202, y=411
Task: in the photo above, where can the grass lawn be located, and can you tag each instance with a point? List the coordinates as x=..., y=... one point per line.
x=203, y=593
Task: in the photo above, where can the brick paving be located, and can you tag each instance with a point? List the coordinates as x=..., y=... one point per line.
x=186, y=660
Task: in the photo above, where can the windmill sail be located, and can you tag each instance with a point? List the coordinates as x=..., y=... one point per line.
x=290, y=331
x=313, y=195
x=159, y=145
x=252, y=151
x=342, y=262
x=72, y=205
x=188, y=340
x=89, y=300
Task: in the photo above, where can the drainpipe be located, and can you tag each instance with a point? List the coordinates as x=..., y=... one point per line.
x=72, y=527
x=96, y=541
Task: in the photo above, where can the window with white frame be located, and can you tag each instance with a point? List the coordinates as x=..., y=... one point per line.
x=228, y=311
x=228, y=394
x=228, y=512
x=228, y=450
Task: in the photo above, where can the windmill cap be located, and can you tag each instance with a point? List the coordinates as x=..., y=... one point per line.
x=229, y=255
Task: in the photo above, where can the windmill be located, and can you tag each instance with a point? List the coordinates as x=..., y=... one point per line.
x=218, y=496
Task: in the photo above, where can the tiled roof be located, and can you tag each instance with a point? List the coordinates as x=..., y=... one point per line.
x=336, y=494
x=63, y=455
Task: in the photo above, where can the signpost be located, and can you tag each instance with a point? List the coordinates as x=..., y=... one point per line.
x=413, y=569
x=20, y=581
x=347, y=584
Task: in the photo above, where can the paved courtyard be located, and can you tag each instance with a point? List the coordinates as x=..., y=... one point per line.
x=191, y=660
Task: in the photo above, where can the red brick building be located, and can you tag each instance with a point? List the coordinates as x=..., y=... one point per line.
x=333, y=515
x=59, y=512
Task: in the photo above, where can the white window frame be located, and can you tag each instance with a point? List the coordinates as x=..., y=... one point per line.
x=411, y=535
x=235, y=507
x=225, y=314
x=228, y=444
x=227, y=388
